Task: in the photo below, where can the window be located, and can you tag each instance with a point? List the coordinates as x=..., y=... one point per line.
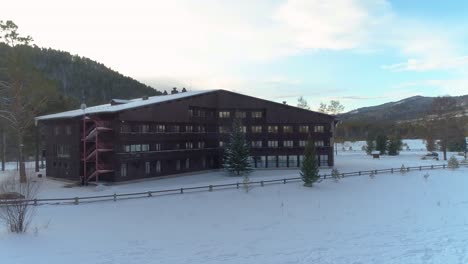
x=175, y=129
x=125, y=128
x=292, y=161
x=288, y=144
x=201, y=129
x=127, y=148
x=323, y=159
x=319, y=129
x=177, y=146
x=68, y=130
x=201, y=113
x=302, y=143
x=271, y=161
x=188, y=145
x=223, y=129
x=282, y=161
x=56, y=130
x=301, y=160
x=190, y=112
x=187, y=163
x=272, y=129
x=123, y=169
x=221, y=144
x=201, y=144
x=304, y=129
x=319, y=143
x=224, y=114
x=287, y=129
x=137, y=148
x=158, y=166
x=241, y=114
x=243, y=129
x=160, y=128
x=145, y=147
x=259, y=161
x=257, y=114
x=147, y=168
x=272, y=143
x=189, y=129
x=257, y=144
x=144, y=129
x=177, y=165
x=62, y=151
x=256, y=129
x=157, y=146
x=133, y=148
x=203, y=162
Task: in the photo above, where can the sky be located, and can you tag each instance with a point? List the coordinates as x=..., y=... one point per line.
x=360, y=52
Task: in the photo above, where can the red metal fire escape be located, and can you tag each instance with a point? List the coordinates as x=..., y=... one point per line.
x=95, y=149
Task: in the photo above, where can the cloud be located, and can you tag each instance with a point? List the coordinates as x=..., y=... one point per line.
x=429, y=64
x=453, y=87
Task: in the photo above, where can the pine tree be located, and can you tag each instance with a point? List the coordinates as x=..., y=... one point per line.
x=237, y=151
x=381, y=144
x=310, y=169
x=394, y=145
x=453, y=163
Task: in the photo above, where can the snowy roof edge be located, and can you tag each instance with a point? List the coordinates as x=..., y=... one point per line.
x=132, y=103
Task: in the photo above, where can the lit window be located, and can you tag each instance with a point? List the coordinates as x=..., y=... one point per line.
x=272, y=129
x=160, y=128
x=189, y=129
x=201, y=144
x=221, y=144
x=257, y=144
x=288, y=143
x=243, y=129
x=137, y=148
x=287, y=129
x=241, y=114
x=127, y=148
x=257, y=114
x=144, y=129
x=319, y=143
x=145, y=147
x=188, y=145
x=272, y=143
x=224, y=114
x=302, y=143
x=256, y=129
x=319, y=129
x=304, y=129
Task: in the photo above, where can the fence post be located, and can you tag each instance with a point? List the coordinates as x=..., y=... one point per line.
x=342, y=175
x=284, y=181
x=392, y=170
x=181, y=190
x=359, y=173
x=261, y=183
x=237, y=185
x=35, y=202
x=420, y=167
x=150, y=194
x=115, y=197
x=443, y=166
x=375, y=171
x=408, y=169
x=210, y=188
x=432, y=167
x=76, y=201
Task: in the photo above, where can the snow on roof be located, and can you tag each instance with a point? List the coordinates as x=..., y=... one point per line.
x=125, y=104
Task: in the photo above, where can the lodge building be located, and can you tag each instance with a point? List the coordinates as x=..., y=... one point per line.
x=177, y=133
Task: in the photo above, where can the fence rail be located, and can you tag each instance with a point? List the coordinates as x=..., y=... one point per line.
x=209, y=188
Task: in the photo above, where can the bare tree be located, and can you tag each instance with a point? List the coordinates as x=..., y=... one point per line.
x=18, y=102
x=440, y=115
x=15, y=212
x=302, y=103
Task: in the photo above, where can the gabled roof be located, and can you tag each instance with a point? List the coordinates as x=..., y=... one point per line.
x=123, y=105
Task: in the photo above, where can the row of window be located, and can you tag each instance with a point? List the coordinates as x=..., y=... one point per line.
x=274, y=129
x=62, y=151
x=157, y=128
x=240, y=114
x=284, y=161
x=158, y=146
x=274, y=143
x=154, y=167
x=58, y=130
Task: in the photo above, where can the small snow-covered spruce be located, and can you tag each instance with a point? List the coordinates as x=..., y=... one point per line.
x=372, y=175
x=403, y=169
x=453, y=163
x=246, y=183
x=335, y=175
x=426, y=176
x=310, y=169
x=237, y=151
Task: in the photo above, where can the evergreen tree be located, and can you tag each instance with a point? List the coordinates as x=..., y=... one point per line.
x=370, y=145
x=237, y=151
x=394, y=145
x=381, y=144
x=310, y=168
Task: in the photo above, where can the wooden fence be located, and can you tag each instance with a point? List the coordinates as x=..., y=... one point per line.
x=114, y=197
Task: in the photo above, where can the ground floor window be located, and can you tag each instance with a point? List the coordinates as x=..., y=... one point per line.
x=282, y=161
x=203, y=162
x=323, y=159
x=123, y=169
x=301, y=160
x=187, y=163
x=157, y=166
x=147, y=167
x=259, y=161
x=293, y=161
x=178, y=165
x=271, y=161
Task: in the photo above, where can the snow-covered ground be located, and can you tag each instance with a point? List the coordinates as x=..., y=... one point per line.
x=393, y=218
